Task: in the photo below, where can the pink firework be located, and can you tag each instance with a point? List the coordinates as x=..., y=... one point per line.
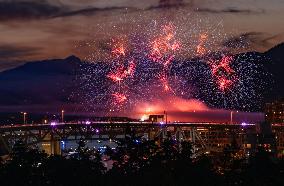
x=118, y=49
x=162, y=50
x=121, y=72
x=163, y=46
x=200, y=47
x=224, y=83
x=119, y=98
x=223, y=72
x=116, y=77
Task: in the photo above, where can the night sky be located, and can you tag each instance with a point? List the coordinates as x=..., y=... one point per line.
x=48, y=31
x=45, y=29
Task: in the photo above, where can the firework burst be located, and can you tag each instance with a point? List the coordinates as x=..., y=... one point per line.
x=161, y=62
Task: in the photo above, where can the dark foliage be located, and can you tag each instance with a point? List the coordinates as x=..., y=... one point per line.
x=139, y=162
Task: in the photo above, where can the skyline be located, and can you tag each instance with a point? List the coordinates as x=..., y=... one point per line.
x=125, y=55
x=151, y=92
x=45, y=96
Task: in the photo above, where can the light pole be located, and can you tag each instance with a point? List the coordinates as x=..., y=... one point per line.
x=24, y=117
x=231, y=121
x=166, y=116
x=62, y=116
x=110, y=115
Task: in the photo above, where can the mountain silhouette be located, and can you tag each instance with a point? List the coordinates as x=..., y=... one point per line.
x=276, y=66
x=40, y=82
x=52, y=82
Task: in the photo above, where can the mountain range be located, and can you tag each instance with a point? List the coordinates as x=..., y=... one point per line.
x=38, y=83
x=52, y=82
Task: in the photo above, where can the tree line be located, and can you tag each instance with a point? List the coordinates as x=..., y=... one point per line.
x=138, y=162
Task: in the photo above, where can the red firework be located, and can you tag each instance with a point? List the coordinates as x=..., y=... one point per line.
x=131, y=69
x=162, y=50
x=121, y=72
x=118, y=49
x=224, y=83
x=200, y=47
x=223, y=72
x=164, y=45
x=115, y=77
x=165, y=83
x=121, y=69
x=119, y=98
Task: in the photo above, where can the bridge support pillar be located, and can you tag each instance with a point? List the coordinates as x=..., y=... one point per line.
x=55, y=147
x=51, y=145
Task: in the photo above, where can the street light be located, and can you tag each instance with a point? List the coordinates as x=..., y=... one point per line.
x=62, y=116
x=232, y=116
x=24, y=117
x=110, y=115
x=166, y=113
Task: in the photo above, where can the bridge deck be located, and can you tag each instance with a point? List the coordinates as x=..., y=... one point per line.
x=116, y=124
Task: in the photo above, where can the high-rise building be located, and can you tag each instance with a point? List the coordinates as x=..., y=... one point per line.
x=274, y=111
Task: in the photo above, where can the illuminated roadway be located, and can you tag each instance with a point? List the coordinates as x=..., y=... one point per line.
x=205, y=135
x=121, y=124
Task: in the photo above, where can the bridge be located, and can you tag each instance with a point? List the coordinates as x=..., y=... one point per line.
x=206, y=137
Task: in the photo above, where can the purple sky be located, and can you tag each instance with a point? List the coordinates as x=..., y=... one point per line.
x=45, y=29
x=41, y=29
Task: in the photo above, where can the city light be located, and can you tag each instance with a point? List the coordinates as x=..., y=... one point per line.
x=146, y=93
x=53, y=123
x=24, y=117
x=144, y=117
x=244, y=124
x=62, y=116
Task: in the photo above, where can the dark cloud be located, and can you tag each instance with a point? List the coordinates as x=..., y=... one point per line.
x=27, y=10
x=245, y=40
x=165, y=6
x=12, y=10
x=229, y=10
x=11, y=56
x=94, y=10
x=242, y=41
x=12, y=52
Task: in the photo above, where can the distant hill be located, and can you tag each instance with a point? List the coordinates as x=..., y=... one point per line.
x=40, y=82
x=276, y=67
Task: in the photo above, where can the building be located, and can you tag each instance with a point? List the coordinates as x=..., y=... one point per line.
x=274, y=112
x=156, y=118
